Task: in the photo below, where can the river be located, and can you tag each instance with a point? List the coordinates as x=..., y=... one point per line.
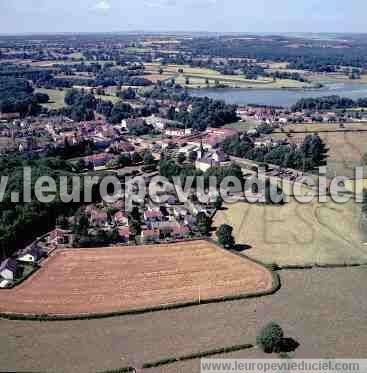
x=280, y=97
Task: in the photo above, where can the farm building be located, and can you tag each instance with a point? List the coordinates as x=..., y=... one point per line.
x=60, y=237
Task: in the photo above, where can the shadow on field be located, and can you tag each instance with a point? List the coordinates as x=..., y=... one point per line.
x=241, y=247
x=289, y=345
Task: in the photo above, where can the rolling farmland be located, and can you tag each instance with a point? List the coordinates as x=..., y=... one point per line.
x=298, y=234
x=315, y=307
x=203, y=78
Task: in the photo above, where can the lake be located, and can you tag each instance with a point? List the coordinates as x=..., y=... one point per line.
x=280, y=97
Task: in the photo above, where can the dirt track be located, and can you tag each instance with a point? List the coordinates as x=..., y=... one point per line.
x=73, y=282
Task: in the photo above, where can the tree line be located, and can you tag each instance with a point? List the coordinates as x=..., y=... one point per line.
x=311, y=154
x=328, y=103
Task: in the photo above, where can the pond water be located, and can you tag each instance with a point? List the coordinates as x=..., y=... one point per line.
x=281, y=97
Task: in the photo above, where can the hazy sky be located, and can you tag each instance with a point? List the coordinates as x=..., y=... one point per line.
x=19, y=16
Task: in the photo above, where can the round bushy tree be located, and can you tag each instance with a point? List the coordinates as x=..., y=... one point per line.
x=270, y=338
x=225, y=237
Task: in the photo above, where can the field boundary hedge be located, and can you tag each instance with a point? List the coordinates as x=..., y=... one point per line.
x=198, y=355
x=276, y=285
x=16, y=283
x=289, y=267
x=119, y=370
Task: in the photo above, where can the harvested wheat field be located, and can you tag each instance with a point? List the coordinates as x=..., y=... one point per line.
x=90, y=281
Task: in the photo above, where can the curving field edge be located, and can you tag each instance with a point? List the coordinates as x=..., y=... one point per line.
x=275, y=286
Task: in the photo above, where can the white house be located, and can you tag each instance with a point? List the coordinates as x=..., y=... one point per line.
x=4, y=284
x=178, y=132
x=121, y=219
x=28, y=258
x=157, y=122
x=7, y=274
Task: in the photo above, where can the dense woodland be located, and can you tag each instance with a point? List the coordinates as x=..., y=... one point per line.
x=328, y=103
x=16, y=95
x=310, y=155
x=25, y=221
x=299, y=53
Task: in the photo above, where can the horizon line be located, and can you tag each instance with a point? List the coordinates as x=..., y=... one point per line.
x=176, y=32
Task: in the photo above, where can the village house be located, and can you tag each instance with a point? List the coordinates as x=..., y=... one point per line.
x=180, y=213
x=122, y=147
x=152, y=218
x=121, y=219
x=150, y=235
x=211, y=138
x=32, y=256
x=195, y=208
x=98, y=218
x=167, y=224
x=101, y=143
x=127, y=123
x=98, y=161
x=124, y=234
x=9, y=116
x=157, y=123
x=178, y=132
x=180, y=232
x=208, y=159
x=264, y=142
x=60, y=237
x=8, y=269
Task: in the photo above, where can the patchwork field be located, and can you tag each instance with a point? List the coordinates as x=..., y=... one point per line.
x=56, y=98
x=298, y=234
x=316, y=127
x=73, y=282
x=321, y=309
x=204, y=78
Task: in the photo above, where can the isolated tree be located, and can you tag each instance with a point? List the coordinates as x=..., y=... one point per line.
x=124, y=160
x=270, y=338
x=81, y=164
x=225, y=236
x=203, y=223
x=218, y=203
x=148, y=158
x=135, y=229
x=193, y=156
x=82, y=226
x=135, y=214
x=136, y=158
x=314, y=151
x=181, y=158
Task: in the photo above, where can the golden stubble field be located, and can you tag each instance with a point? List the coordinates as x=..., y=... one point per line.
x=114, y=279
x=298, y=234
